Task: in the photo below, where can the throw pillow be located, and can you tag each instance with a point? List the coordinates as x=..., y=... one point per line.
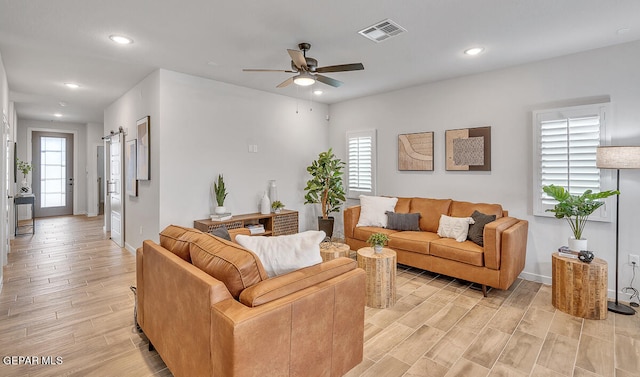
x=454, y=227
x=221, y=232
x=476, y=230
x=373, y=210
x=282, y=254
x=403, y=221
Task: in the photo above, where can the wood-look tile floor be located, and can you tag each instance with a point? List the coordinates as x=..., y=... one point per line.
x=66, y=293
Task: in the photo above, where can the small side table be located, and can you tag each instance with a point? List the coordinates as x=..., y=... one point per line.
x=579, y=288
x=333, y=250
x=381, y=276
x=25, y=199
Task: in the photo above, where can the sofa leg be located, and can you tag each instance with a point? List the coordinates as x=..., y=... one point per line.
x=151, y=347
x=484, y=290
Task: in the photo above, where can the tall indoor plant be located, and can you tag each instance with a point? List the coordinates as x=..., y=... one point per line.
x=576, y=210
x=325, y=188
x=220, y=192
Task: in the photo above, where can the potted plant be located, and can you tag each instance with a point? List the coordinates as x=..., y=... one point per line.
x=576, y=210
x=277, y=206
x=220, y=192
x=377, y=241
x=325, y=188
x=24, y=168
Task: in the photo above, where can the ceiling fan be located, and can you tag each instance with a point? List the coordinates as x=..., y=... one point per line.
x=307, y=69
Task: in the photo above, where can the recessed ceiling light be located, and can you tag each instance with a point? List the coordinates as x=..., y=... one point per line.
x=57, y=115
x=71, y=85
x=119, y=39
x=317, y=92
x=474, y=51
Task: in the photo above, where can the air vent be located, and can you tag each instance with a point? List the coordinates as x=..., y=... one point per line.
x=382, y=31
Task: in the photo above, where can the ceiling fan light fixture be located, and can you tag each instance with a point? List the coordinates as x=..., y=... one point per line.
x=304, y=79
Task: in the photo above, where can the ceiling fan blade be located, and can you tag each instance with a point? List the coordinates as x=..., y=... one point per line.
x=328, y=80
x=267, y=70
x=298, y=59
x=341, y=68
x=286, y=82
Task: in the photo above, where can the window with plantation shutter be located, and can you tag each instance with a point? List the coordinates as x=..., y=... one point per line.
x=565, y=153
x=361, y=163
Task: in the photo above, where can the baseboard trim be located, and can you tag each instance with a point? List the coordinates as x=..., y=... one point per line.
x=130, y=248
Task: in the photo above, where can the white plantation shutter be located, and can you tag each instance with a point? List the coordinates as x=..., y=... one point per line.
x=565, y=153
x=361, y=163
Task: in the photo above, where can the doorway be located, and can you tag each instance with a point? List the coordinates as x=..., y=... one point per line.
x=52, y=159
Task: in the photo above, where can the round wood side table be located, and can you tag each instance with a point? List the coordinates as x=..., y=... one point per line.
x=579, y=288
x=381, y=276
x=333, y=250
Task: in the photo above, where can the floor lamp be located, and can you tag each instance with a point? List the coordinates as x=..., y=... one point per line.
x=618, y=158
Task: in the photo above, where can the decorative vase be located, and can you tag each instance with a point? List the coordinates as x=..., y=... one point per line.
x=220, y=210
x=24, y=187
x=577, y=245
x=273, y=191
x=265, y=204
x=377, y=249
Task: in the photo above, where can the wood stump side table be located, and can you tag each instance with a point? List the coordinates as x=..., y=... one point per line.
x=579, y=288
x=333, y=250
x=381, y=276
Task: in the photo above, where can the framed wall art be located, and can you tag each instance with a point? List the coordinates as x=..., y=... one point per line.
x=131, y=183
x=415, y=151
x=468, y=149
x=144, y=163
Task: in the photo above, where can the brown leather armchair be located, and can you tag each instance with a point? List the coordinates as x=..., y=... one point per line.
x=240, y=323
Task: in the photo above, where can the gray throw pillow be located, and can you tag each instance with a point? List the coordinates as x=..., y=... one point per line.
x=403, y=221
x=221, y=232
x=476, y=230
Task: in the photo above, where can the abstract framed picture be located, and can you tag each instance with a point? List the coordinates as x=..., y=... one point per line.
x=415, y=151
x=468, y=149
x=131, y=183
x=144, y=163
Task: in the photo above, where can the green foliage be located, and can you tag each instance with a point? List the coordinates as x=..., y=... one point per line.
x=377, y=239
x=576, y=208
x=276, y=204
x=24, y=167
x=220, y=190
x=325, y=185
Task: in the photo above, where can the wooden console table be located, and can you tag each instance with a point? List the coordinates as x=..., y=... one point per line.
x=579, y=288
x=275, y=224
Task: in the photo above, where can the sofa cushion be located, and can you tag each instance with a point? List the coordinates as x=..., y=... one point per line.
x=283, y=254
x=430, y=211
x=476, y=230
x=464, y=209
x=464, y=252
x=403, y=205
x=373, y=210
x=235, y=266
x=177, y=239
x=454, y=227
x=362, y=233
x=412, y=241
x=403, y=221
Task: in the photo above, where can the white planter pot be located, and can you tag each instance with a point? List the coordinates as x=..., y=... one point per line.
x=577, y=245
x=220, y=210
x=377, y=249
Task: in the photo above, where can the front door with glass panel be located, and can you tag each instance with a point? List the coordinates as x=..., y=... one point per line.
x=53, y=173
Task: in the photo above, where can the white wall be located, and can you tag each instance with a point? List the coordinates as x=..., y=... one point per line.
x=4, y=111
x=94, y=139
x=201, y=128
x=505, y=100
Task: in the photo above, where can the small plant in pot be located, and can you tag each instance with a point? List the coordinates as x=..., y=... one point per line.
x=377, y=241
x=277, y=206
x=325, y=188
x=576, y=210
x=220, y=192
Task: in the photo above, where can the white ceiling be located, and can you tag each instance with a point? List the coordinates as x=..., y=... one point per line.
x=46, y=43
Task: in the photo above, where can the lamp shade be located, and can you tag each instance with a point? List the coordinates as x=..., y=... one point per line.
x=304, y=79
x=618, y=157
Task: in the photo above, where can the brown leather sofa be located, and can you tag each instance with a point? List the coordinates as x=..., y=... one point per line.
x=496, y=264
x=209, y=309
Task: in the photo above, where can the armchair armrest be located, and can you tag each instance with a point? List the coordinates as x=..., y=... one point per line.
x=284, y=285
x=492, y=235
